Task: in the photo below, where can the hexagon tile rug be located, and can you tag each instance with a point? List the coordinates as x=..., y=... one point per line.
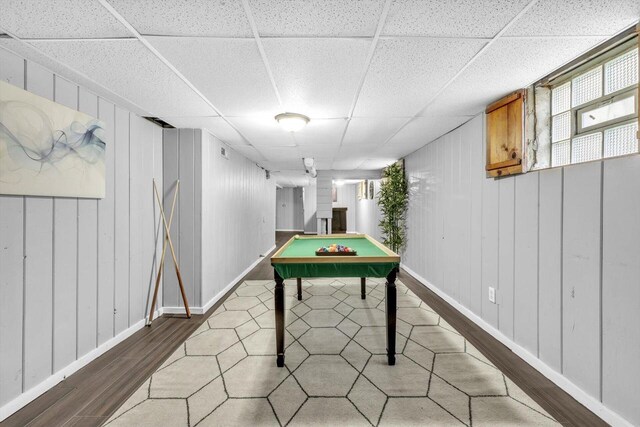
x=336, y=374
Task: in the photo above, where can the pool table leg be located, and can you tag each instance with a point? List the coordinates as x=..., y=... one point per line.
x=391, y=306
x=363, y=287
x=299, y=280
x=279, y=309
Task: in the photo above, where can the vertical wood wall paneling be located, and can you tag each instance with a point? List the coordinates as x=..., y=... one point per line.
x=550, y=268
x=158, y=226
x=450, y=259
x=464, y=229
x=136, y=200
x=525, y=328
x=87, y=253
x=197, y=218
x=121, y=221
x=581, y=276
x=11, y=265
x=187, y=238
x=506, y=248
x=38, y=280
x=170, y=167
x=106, y=212
x=65, y=250
x=147, y=200
x=474, y=132
x=621, y=287
x=491, y=228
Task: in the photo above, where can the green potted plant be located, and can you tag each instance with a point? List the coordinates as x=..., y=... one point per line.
x=393, y=200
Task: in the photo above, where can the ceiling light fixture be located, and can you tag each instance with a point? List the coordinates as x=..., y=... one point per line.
x=292, y=122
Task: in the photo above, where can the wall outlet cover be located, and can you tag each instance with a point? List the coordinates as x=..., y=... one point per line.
x=492, y=294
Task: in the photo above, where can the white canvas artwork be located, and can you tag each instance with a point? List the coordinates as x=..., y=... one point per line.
x=48, y=149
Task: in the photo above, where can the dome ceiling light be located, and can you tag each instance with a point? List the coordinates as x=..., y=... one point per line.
x=292, y=122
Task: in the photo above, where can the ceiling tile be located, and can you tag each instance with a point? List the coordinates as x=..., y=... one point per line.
x=216, y=125
x=318, y=18
x=508, y=65
x=462, y=18
x=229, y=72
x=418, y=133
x=577, y=17
x=280, y=154
x=349, y=163
x=263, y=131
x=317, y=77
x=213, y=18
x=321, y=132
x=406, y=73
x=27, y=51
x=61, y=19
x=371, y=131
x=376, y=164
x=129, y=69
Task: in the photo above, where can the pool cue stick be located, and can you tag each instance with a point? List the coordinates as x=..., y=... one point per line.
x=164, y=251
x=173, y=254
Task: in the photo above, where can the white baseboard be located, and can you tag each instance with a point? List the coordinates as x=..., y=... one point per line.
x=31, y=394
x=593, y=404
x=287, y=229
x=34, y=392
x=216, y=298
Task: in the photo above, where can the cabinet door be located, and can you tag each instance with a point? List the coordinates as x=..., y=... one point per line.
x=504, y=136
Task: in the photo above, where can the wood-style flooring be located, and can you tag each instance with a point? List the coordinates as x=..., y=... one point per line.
x=91, y=395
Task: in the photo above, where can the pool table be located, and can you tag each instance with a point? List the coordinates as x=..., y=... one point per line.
x=297, y=259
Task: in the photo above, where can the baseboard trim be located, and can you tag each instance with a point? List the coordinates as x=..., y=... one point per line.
x=28, y=396
x=216, y=298
x=557, y=378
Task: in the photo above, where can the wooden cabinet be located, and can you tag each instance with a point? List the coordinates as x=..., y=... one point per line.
x=505, y=124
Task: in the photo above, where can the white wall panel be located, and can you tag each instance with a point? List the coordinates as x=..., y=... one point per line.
x=121, y=221
x=66, y=261
x=490, y=232
x=38, y=281
x=171, y=172
x=106, y=212
x=289, y=208
x=474, y=131
x=11, y=265
x=309, y=208
x=368, y=215
x=525, y=294
x=550, y=268
x=87, y=253
x=537, y=238
x=238, y=215
x=581, y=288
x=621, y=286
x=506, y=230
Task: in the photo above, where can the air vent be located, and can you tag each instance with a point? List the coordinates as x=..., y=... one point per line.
x=223, y=153
x=160, y=122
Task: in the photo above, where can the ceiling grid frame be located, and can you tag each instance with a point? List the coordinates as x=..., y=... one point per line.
x=153, y=50
x=467, y=65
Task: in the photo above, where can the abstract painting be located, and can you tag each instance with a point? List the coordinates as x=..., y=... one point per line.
x=48, y=149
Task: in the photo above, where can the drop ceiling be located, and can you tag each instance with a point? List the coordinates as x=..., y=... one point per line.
x=379, y=78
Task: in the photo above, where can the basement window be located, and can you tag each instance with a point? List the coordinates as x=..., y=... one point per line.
x=594, y=109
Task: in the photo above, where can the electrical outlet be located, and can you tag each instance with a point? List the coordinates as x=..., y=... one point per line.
x=492, y=294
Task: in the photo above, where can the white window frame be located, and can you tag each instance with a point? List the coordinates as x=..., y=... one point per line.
x=575, y=112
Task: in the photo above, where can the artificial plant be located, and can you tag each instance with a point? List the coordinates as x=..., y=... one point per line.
x=393, y=200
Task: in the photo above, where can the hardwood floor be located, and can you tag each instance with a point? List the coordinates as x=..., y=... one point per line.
x=91, y=395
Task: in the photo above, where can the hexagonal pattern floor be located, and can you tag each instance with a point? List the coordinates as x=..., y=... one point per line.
x=336, y=371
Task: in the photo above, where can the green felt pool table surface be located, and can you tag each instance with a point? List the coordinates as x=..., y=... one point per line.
x=307, y=247
x=297, y=258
